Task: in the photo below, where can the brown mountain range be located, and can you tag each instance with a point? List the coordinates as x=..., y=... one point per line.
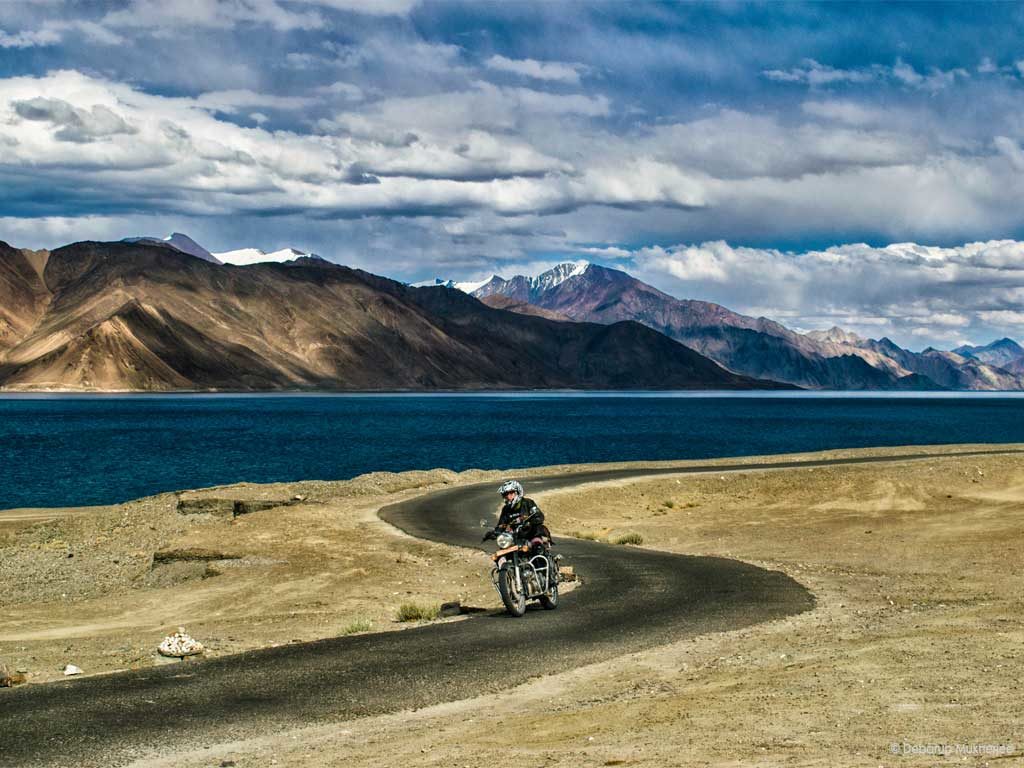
x=756, y=347
x=145, y=316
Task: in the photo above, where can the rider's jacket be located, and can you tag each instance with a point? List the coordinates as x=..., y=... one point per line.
x=511, y=514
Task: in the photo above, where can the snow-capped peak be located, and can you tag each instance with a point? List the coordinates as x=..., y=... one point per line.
x=558, y=275
x=472, y=285
x=836, y=335
x=437, y=281
x=495, y=283
x=245, y=256
x=464, y=286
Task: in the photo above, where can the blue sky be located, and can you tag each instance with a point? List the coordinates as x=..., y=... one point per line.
x=764, y=156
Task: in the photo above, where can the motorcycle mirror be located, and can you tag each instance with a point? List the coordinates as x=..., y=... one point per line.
x=484, y=523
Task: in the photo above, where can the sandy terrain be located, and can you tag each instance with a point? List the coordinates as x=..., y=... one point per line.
x=916, y=640
x=100, y=587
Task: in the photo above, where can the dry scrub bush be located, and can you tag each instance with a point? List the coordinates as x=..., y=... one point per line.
x=629, y=538
x=416, y=612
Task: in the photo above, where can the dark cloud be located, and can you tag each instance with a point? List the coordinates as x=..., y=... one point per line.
x=358, y=173
x=76, y=125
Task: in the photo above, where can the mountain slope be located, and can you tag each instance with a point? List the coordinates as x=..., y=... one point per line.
x=23, y=294
x=595, y=355
x=147, y=316
x=948, y=370
x=497, y=301
x=1003, y=353
x=756, y=347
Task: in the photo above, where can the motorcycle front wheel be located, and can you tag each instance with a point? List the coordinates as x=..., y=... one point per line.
x=514, y=599
x=550, y=600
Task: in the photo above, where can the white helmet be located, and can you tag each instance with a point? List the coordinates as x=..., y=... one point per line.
x=515, y=487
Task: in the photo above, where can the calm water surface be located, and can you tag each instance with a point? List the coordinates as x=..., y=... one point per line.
x=57, y=451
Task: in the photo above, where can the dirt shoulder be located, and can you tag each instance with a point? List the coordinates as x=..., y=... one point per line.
x=100, y=587
x=916, y=639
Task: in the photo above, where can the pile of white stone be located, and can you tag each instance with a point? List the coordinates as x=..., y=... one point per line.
x=179, y=645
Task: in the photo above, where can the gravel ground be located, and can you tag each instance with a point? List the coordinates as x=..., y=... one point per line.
x=916, y=640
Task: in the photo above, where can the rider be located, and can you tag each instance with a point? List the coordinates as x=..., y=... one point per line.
x=518, y=509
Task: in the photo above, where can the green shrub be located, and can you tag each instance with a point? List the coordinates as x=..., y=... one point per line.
x=629, y=538
x=415, y=612
x=359, y=625
x=668, y=503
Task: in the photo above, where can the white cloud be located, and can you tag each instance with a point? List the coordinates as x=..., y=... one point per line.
x=849, y=112
x=166, y=15
x=893, y=290
x=53, y=31
x=1004, y=318
x=483, y=105
x=347, y=91
x=609, y=252
x=297, y=60
x=687, y=263
x=938, y=337
x=935, y=80
x=368, y=7
x=815, y=74
x=539, y=70
x=29, y=39
x=54, y=231
x=232, y=101
x=419, y=59
x=733, y=144
x=188, y=160
x=949, y=319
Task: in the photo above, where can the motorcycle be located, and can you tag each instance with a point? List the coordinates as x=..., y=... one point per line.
x=523, y=570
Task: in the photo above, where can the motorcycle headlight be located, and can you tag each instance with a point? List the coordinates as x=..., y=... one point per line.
x=504, y=540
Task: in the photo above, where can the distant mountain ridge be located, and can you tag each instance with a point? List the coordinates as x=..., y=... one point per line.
x=145, y=316
x=180, y=242
x=1003, y=353
x=531, y=289
x=149, y=313
x=759, y=347
x=238, y=257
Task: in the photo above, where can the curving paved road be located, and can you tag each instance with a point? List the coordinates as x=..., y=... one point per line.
x=632, y=599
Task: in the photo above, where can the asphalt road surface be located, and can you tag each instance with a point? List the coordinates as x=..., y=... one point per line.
x=630, y=599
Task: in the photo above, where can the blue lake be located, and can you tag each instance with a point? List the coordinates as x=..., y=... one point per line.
x=72, y=450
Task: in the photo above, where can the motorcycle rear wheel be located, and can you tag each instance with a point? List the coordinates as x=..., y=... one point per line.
x=514, y=600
